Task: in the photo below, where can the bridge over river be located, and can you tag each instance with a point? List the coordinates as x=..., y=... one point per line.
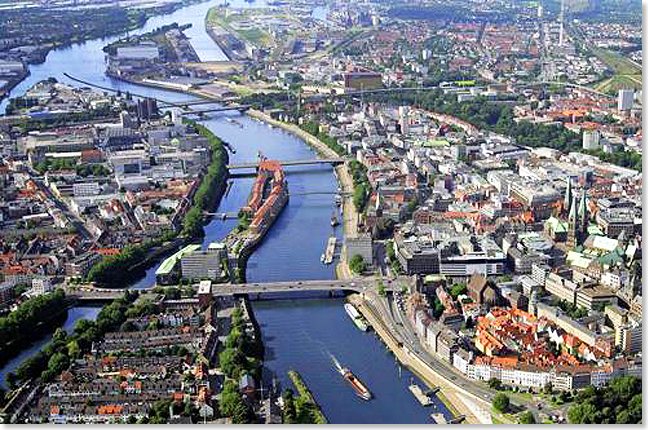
x=358, y=285
x=255, y=164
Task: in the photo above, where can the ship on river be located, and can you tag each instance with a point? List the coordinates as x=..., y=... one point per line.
x=360, y=389
x=355, y=316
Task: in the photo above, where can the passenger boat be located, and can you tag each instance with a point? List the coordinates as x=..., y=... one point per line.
x=360, y=389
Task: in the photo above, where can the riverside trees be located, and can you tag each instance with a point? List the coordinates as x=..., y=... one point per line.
x=617, y=403
x=22, y=325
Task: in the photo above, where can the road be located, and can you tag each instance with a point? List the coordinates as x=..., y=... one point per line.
x=74, y=219
x=394, y=317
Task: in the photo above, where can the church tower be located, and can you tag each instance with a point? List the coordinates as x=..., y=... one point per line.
x=574, y=233
x=568, y=196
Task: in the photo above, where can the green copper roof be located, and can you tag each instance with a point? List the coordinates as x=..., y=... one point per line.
x=167, y=265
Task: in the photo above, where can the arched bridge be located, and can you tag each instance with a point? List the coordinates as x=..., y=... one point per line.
x=240, y=108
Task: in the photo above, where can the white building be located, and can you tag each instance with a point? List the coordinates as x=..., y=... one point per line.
x=41, y=286
x=591, y=139
x=626, y=98
x=85, y=189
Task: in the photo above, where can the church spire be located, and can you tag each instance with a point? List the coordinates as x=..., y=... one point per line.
x=568, y=195
x=583, y=210
x=574, y=232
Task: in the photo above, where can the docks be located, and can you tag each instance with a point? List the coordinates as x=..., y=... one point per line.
x=439, y=418
x=423, y=398
x=330, y=250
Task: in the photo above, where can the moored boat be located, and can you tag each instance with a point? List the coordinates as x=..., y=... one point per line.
x=355, y=316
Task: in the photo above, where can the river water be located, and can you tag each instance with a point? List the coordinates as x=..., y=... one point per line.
x=300, y=334
x=74, y=314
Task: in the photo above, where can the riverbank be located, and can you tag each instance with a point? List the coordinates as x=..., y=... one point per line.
x=316, y=413
x=350, y=214
x=42, y=52
x=454, y=401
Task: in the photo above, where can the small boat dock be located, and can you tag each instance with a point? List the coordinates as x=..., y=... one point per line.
x=423, y=398
x=439, y=418
x=330, y=250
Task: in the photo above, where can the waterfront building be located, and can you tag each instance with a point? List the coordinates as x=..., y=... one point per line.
x=138, y=52
x=204, y=263
x=168, y=270
x=361, y=245
x=41, y=286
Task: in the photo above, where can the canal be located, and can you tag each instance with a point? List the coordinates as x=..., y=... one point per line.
x=298, y=334
x=74, y=314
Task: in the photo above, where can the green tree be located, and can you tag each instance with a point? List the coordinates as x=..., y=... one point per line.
x=58, y=362
x=73, y=349
x=495, y=383
x=458, y=289
x=289, y=410
x=501, y=402
x=357, y=264
x=232, y=362
x=527, y=418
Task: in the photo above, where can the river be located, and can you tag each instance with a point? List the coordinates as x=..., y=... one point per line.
x=298, y=334
x=74, y=314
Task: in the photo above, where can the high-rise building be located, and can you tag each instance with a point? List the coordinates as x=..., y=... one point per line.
x=626, y=97
x=591, y=139
x=404, y=119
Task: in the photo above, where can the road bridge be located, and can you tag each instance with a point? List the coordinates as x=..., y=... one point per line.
x=255, y=165
x=240, y=108
x=359, y=285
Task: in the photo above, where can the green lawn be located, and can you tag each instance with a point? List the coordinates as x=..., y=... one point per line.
x=612, y=85
x=618, y=62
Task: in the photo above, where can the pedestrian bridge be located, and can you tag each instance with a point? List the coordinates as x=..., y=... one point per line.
x=255, y=165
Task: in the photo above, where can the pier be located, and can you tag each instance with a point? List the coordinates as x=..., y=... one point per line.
x=423, y=398
x=330, y=250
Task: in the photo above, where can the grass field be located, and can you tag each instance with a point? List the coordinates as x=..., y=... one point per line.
x=617, y=82
x=627, y=73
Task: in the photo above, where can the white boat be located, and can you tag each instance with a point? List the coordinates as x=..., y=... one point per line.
x=355, y=316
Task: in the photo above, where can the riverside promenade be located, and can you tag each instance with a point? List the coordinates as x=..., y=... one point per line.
x=350, y=214
x=463, y=403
